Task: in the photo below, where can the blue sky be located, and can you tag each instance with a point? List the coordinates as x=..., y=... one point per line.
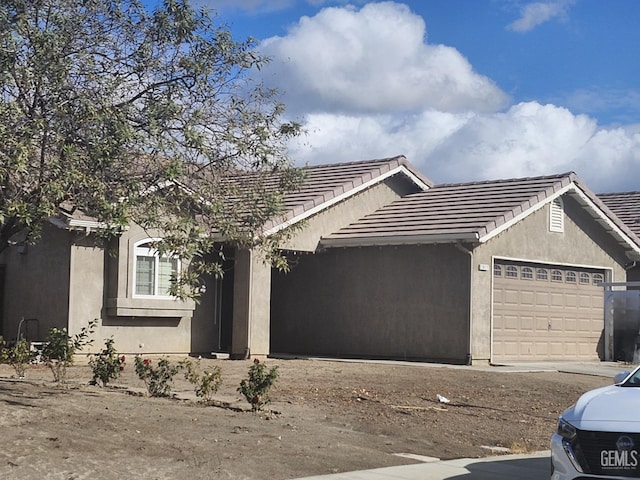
x=468, y=90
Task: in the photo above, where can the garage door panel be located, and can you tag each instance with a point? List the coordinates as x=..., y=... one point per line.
x=557, y=300
x=560, y=348
x=511, y=297
x=542, y=299
x=547, y=320
x=542, y=323
x=570, y=300
x=527, y=298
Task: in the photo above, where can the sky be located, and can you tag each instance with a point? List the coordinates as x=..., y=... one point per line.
x=467, y=90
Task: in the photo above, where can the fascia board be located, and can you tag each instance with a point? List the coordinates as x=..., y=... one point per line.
x=397, y=240
x=339, y=198
x=525, y=213
x=74, y=224
x=635, y=247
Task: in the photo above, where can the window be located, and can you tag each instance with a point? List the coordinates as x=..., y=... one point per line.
x=598, y=278
x=497, y=270
x=527, y=273
x=153, y=273
x=556, y=215
x=585, y=279
x=512, y=271
x=571, y=277
x=542, y=274
x=556, y=275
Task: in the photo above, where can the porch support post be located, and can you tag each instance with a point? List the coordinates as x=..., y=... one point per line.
x=251, y=305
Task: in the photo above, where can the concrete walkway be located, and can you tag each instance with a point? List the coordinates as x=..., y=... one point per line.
x=535, y=466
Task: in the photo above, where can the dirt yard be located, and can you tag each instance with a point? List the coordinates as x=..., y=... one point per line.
x=326, y=417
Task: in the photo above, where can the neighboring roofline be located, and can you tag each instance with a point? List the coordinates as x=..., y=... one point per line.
x=402, y=168
x=604, y=212
x=398, y=240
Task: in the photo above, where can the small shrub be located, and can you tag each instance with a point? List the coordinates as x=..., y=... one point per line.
x=59, y=351
x=18, y=356
x=106, y=365
x=159, y=379
x=206, y=383
x=256, y=387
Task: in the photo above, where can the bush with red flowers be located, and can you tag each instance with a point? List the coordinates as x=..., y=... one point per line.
x=106, y=365
x=157, y=379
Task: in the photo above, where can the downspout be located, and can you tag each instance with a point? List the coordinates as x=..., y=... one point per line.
x=463, y=249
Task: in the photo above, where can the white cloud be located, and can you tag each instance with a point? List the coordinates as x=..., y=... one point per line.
x=374, y=60
x=537, y=13
x=366, y=84
x=338, y=138
x=529, y=139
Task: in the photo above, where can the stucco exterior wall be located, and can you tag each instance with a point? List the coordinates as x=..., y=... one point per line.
x=37, y=285
x=393, y=302
x=583, y=243
x=138, y=325
x=347, y=212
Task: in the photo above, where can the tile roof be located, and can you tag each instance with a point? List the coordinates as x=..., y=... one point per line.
x=325, y=185
x=470, y=212
x=626, y=206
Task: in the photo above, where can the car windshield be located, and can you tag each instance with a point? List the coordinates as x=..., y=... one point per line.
x=633, y=380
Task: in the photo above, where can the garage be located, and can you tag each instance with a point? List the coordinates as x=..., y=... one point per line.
x=546, y=312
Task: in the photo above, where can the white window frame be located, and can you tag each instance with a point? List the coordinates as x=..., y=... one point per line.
x=141, y=249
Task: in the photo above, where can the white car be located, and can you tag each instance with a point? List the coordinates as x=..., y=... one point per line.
x=599, y=436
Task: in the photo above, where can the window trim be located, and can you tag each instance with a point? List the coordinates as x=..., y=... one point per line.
x=542, y=274
x=557, y=275
x=140, y=250
x=497, y=270
x=526, y=273
x=511, y=271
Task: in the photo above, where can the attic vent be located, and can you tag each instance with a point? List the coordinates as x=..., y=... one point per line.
x=556, y=216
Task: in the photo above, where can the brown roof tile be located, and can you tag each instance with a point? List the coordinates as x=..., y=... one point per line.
x=626, y=206
x=468, y=212
x=325, y=184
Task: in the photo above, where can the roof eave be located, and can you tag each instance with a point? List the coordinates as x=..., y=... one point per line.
x=398, y=240
x=75, y=224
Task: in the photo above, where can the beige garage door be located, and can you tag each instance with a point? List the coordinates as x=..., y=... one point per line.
x=546, y=312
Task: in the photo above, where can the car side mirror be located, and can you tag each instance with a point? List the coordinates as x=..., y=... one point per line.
x=619, y=378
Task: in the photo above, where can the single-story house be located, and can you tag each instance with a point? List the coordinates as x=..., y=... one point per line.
x=388, y=265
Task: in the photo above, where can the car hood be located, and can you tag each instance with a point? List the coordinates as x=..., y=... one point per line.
x=611, y=409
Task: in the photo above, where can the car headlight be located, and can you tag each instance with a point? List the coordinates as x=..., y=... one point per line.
x=569, y=436
x=565, y=429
